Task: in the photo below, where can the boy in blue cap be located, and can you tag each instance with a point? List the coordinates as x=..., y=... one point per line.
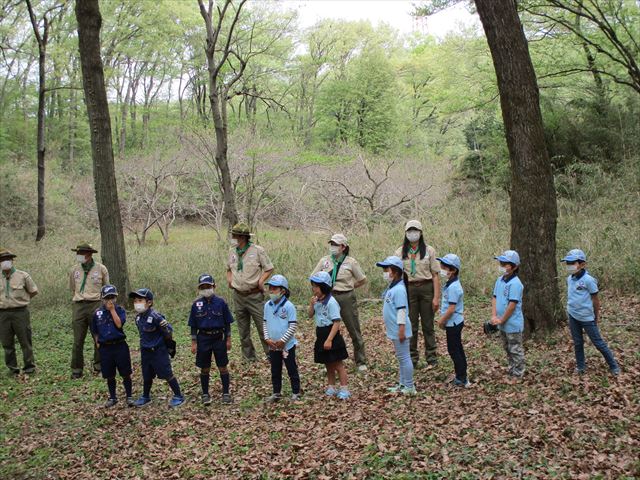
x=210, y=321
x=451, y=316
x=396, y=321
x=279, y=329
x=107, y=329
x=506, y=310
x=583, y=308
x=154, y=332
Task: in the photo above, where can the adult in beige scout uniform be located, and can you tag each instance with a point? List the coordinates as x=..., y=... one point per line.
x=248, y=267
x=346, y=276
x=421, y=271
x=86, y=279
x=16, y=291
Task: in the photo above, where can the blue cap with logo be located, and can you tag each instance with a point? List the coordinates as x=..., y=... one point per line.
x=206, y=279
x=451, y=260
x=108, y=291
x=509, y=256
x=392, y=261
x=575, y=255
x=142, y=293
x=321, y=278
x=278, y=281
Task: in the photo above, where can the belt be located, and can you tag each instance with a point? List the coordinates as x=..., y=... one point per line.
x=214, y=331
x=114, y=342
x=419, y=283
x=14, y=309
x=248, y=292
x=87, y=301
x=151, y=349
x=342, y=293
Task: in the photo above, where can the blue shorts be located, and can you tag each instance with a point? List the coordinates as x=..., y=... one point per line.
x=208, y=346
x=115, y=356
x=156, y=363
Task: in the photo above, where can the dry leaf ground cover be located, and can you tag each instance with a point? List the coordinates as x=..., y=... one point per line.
x=551, y=425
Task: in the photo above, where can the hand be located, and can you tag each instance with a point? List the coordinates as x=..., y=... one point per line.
x=436, y=304
x=163, y=323
x=327, y=344
x=270, y=343
x=495, y=320
x=279, y=345
x=194, y=347
x=313, y=301
x=228, y=344
x=442, y=324
x=111, y=306
x=261, y=286
x=401, y=337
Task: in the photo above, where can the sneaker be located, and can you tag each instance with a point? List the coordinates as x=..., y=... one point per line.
x=206, y=399
x=29, y=371
x=110, y=403
x=273, y=398
x=343, y=394
x=226, y=398
x=362, y=368
x=396, y=388
x=142, y=401
x=176, y=401
x=460, y=383
x=295, y=397
x=615, y=372
x=76, y=375
x=130, y=402
x=330, y=391
x=408, y=391
x=580, y=371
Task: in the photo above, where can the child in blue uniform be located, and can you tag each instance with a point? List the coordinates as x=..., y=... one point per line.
x=396, y=321
x=107, y=329
x=451, y=316
x=329, y=347
x=583, y=308
x=506, y=310
x=279, y=329
x=154, y=330
x=210, y=321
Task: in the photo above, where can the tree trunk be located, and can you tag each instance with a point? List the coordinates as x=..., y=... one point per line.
x=533, y=201
x=113, y=247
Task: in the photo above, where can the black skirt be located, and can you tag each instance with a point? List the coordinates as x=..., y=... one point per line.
x=338, y=347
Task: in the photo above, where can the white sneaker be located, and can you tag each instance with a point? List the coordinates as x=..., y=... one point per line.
x=362, y=368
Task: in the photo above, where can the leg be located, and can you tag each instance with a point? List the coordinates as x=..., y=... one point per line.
x=414, y=317
x=575, y=328
x=124, y=368
x=244, y=327
x=331, y=374
x=396, y=349
x=79, y=334
x=594, y=335
x=456, y=351
x=22, y=330
x=404, y=362
x=204, y=380
x=342, y=373
x=222, y=362
x=505, y=345
x=426, y=317
x=351, y=320
x=292, y=370
x=276, y=370
x=255, y=304
x=8, y=341
x=516, y=349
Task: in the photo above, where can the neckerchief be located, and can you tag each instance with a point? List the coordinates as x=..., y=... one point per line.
x=336, y=266
x=280, y=304
x=7, y=277
x=86, y=267
x=412, y=254
x=241, y=252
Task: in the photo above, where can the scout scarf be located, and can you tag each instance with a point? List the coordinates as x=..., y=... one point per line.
x=336, y=266
x=87, y=266
x=412, y=253
x=7, y=277
x=241, y=252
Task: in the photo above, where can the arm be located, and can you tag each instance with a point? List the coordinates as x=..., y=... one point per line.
x=265, y=276
x=402, y=323
x=229, y=277
x=447, y=315
x=105, y=275
x=30, y=286
x=311, y=311
x=291, y=329
x=596, y=306
x=72, y=283
x=335, y=328
x=360, y=283
x=507, y=313
x=117, y=321
x=493, y=309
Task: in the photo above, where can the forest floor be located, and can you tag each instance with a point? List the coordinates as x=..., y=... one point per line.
x=552, y=424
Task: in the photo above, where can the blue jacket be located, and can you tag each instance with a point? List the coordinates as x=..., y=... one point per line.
x=151, y=333
x=103, y=327
x=210, y=313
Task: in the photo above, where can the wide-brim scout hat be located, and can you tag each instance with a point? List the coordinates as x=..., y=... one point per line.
x=84, y=247
x=413, y=224
x=392, y=261
x=451, y=260
x=206, y=279
x=339, y=239
x=278, y=281
x=241, y=229
x=575, y=255
x=6, y=254
x=509, y=256
x=142, y=293
x=321, y=278
x=108, y=291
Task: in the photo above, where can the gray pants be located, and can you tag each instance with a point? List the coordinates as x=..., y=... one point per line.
x=249, y=307
x=421, y=314
x=512, y=343
x=16, y=323
x=349, y=314
x=82, y=314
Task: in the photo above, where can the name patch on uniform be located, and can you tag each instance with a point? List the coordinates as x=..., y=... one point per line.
x=149, y=320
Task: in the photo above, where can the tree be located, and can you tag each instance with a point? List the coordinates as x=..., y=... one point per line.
x=113, y=248
x=534, y=209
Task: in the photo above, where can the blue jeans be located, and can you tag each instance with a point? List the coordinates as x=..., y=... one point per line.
x=404, y=361
x=591, y=328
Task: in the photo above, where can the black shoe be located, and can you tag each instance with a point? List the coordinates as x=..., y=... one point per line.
x=29, y=371
x=14, y=372
x=76, y=375
x=110, y=403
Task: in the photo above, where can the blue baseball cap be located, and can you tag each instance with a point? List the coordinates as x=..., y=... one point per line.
x=575, y=255
x=142, y=293
x=391, y=261
x=206, y=279
x=108, y=291
x=509, y=256
x=450, y=259
x=320, y=278
x=278, y=281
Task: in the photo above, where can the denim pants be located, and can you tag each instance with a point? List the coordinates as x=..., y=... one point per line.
x=593, y=332
x=456, y=351
x=404, y=361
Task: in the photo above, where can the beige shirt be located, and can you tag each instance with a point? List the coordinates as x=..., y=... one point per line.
x=254, y=263
x=426, y=267
x=97, y=277
x=20, y=287
x=349, y=273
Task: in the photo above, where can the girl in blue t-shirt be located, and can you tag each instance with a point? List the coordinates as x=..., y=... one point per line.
x=329, y=348
x=397, y=323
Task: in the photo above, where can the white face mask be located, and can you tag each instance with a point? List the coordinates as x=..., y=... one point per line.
x=387, y=277
x=140, y=307
x=572, y=268
x=80, y=258
x=502, y=269
x=444, y=273
x=207, y=292
x=6, y=265
x=233, y=242
x=275, y=297
x=413, y=236
x=334, y=250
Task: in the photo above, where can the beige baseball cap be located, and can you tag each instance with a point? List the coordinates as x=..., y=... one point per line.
x=413, y=224
x=339, y=239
